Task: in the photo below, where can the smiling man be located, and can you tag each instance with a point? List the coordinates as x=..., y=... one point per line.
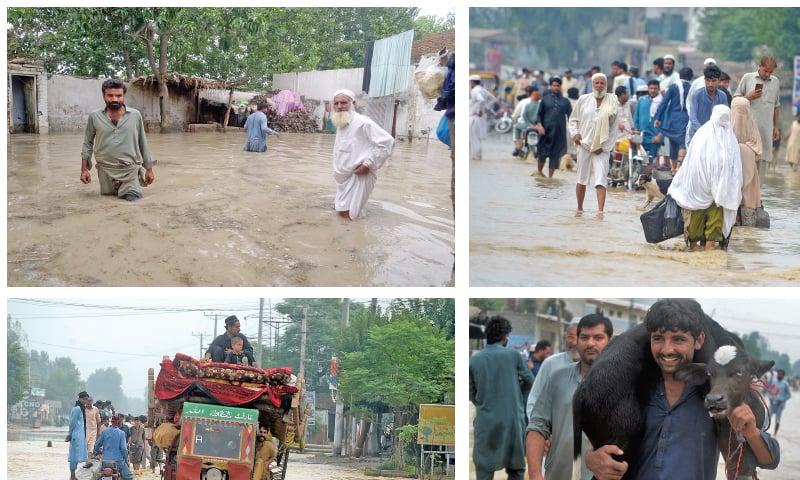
x=679, y=434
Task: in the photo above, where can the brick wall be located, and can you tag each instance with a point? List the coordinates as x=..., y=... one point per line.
x=433, y=43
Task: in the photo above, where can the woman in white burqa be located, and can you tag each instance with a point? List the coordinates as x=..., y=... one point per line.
x=708, y=185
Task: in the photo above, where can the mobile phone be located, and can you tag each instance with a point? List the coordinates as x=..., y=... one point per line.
x=759, y=86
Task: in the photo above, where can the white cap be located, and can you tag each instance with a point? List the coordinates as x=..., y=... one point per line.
x=641, y=88
x=345, y=91
x=669, y=57
x=709, y=60
x=477, y=78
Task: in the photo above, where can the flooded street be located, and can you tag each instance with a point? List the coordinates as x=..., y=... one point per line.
x=789, y=438
x=217, y=216
x=524, y=231
x=33, y=460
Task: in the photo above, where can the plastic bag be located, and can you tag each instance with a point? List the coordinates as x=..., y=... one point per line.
x=443, y=131
x=429, y=76
x=663, y=222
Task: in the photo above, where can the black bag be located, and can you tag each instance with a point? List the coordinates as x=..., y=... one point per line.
x=663, y=222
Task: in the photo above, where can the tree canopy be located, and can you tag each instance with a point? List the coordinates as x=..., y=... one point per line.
x=17, y=369
x=231, y=44
x=759, y=31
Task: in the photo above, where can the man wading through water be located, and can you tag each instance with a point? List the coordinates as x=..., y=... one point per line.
x=115, y=135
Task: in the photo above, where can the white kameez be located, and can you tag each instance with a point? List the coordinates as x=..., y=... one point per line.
x=480, y=100
x=711, y=173
x=361, y=142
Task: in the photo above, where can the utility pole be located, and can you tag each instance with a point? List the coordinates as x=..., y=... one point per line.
x=216, y=318
x=338, y=428
x=303, y=328
x=201, y=342
x=260, y=323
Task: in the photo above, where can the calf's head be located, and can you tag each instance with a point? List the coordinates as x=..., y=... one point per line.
x=730, y=372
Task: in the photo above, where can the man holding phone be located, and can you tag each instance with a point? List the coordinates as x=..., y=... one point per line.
x=762, y=89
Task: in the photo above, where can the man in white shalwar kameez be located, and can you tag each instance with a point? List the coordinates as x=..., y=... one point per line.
x=708, y=186
x=593, y=126
x=480, y=100
x=361, y=148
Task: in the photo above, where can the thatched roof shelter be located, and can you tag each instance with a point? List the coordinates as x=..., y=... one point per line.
x=179, y=81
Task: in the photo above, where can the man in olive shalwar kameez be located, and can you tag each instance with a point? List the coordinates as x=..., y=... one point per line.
x=498, y=381
x=115, y=136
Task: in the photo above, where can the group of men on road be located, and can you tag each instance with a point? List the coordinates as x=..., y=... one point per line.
x=95, y=431
x=115, y=138
x=726, y=166
x=679, y=435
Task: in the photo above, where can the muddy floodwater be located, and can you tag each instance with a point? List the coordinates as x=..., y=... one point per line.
x=218, y=216
x=33, y=460
x=525, y=231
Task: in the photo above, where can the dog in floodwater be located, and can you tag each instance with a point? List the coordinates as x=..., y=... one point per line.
x=656, y=189
x=567, y=163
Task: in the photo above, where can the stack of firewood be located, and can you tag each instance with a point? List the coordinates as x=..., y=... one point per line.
x=294, y=122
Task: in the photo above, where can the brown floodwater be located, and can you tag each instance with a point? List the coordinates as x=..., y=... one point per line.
x=524, y=231
x=218, y=216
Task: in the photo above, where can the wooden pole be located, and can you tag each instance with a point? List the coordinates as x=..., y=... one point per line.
x=228, y=110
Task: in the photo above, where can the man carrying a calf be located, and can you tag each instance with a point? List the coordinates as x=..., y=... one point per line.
x=679, y=434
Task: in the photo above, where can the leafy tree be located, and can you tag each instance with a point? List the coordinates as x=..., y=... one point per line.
x=488, y=304
x=63, y=381
x=404, y=363
x=758, y=31
x=106, y=384
x=17, y=369
x=580, y=30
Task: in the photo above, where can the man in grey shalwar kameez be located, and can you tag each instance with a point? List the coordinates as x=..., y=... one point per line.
x=498, y=381
x=257, y=128
x=116, y=138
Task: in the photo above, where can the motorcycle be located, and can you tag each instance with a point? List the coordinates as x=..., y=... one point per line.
x=500, y=120
x=530, y=144
x=109, y=470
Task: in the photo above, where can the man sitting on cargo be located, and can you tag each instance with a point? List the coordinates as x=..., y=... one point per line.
x=222, y=344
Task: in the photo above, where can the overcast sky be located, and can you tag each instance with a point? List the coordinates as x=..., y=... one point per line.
x=129, y=335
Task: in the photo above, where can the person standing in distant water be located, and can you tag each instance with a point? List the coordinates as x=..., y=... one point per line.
x=257, y=128
x=116, y=138
x=480, y=100
x=222, y=344
x=498, y=381
x=593, y=126
x=763, y=90
x=360, y=149
x=77, y=434
x=793, y=146
x=554, y=110
x=778, y=400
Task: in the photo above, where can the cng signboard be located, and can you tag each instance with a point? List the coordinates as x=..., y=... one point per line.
x=437, y=425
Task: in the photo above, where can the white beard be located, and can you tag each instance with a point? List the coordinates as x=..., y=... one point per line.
x=599, y=94
x=341, y=119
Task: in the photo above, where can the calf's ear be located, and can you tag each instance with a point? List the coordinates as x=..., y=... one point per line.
x=760, y=367
x=694, y=373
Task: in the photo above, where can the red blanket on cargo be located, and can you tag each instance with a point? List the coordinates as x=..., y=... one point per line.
x=225, y=383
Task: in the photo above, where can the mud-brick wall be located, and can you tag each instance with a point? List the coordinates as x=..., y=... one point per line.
x=70, y=100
